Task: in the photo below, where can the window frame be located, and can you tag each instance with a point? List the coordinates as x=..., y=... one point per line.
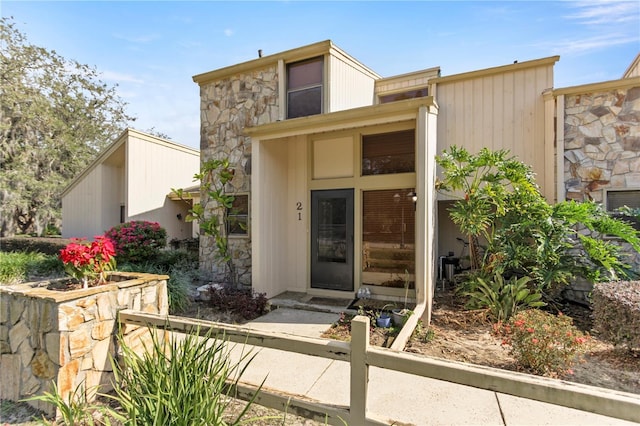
x=613, y=213
x=300, y=89
x=247, y=215
x=404, y=91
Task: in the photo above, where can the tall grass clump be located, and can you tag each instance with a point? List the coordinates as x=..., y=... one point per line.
x=20, y=266
x=185, y=380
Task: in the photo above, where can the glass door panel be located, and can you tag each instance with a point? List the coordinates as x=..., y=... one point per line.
x=388, y=237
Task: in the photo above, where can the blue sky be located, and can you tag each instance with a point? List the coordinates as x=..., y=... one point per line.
x=152, y=49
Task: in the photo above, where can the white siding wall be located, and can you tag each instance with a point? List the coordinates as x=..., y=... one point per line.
x=81, y=215
x=152, y=170
x=504, y=110
x=348, y=86
x=270, y=217
x=112, y=195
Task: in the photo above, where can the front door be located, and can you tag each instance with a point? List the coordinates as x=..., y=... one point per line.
x=332, y=239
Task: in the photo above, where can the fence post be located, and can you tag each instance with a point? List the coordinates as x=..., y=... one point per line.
x=359, y=370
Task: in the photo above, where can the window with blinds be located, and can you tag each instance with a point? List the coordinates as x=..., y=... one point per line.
x=387, y=153
x=410, y=94
x=304, y=87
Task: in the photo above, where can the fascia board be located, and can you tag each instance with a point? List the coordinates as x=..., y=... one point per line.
x=596, y=87
x=496, y=70
x=356, y=117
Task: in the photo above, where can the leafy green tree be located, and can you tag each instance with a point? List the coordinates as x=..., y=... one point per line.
x=55, y=116
x=498, y=199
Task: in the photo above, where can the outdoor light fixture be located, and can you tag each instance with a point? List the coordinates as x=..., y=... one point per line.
x=179, y=216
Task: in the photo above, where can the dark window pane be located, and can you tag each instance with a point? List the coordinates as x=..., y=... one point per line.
x=304, y=102
x=332, y=230
x=411, y=94
x=388, y=153
x=238, y=216
x=304, y=88
x=306, y=73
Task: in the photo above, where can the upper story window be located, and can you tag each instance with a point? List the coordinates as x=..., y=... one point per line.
x=387, y=153
x=304, y=87
x=410, y=94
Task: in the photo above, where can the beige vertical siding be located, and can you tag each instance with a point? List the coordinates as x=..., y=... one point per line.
x=153, y=168
x=297, y=250
x=349, y=87
x=269, y=218
x=502, y=108
x=81, y=218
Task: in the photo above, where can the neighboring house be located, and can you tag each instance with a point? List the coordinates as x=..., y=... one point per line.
x=131, y=180
x=337, y=164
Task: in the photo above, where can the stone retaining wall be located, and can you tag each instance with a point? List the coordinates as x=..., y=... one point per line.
x=69, y=336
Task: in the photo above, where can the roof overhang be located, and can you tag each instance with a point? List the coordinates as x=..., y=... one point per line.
x=597, y=87
x=341, y=120
x=293, y=55
x=496, y=70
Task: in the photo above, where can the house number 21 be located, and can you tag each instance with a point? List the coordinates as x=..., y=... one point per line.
x=299, y=209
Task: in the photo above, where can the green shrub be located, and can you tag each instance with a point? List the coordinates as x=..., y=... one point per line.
x=543, y=343
x=180, y=381
x=137, y=241
x=17, y=267
x=616, y=312
x=30, y=244
x=503, y=299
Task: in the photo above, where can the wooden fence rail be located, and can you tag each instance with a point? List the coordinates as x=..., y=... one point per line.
x=361, y=356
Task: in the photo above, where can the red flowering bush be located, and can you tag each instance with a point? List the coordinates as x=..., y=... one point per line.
x=137, y=241
x=543, y=343
x=89, y=261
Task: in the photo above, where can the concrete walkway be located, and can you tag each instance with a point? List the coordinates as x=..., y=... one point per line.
x=398, y=397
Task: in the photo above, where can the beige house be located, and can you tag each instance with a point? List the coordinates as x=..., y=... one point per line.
x=337, y=163
x=131, y=180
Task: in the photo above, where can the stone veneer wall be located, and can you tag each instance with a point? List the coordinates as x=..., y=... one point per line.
x=601, y=142
x=227, y=107
x=69, y=336
x=601, y=151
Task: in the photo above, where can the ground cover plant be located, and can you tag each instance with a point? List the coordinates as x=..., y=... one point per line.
x=498, y=201
x=17, y=267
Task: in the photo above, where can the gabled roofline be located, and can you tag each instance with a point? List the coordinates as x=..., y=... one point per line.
x=594, y=87
x=339, y=120
x=496, y=70
x=635, y=63
x=292, y=55
x=124, y=136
